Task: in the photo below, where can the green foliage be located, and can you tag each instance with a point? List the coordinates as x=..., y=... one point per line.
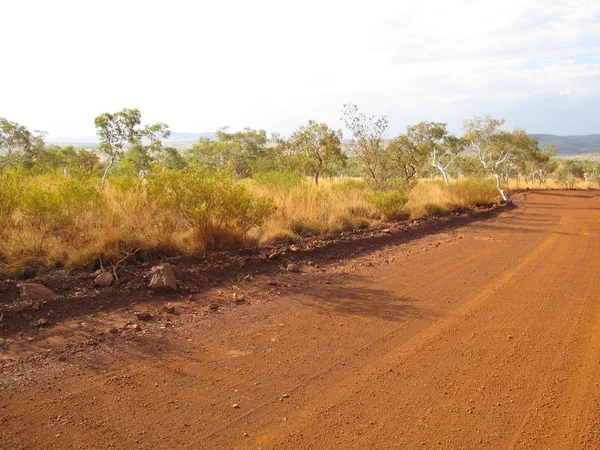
x=368, y=145
x=315, y=147
x=389, y=204
x=280, y=180
x=569, y=172
x=239, y=151
x=350, y=184
x=214, y=204
x=18, y=145
x=54, y=209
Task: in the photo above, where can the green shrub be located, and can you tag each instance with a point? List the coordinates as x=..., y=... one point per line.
x=389, y=204
x=219, y=209
x=280, y=180
x=350, y=184
x=55, y=209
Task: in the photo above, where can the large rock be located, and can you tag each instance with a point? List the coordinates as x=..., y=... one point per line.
x=34, y=292
x=104, y=279
x=163, y=279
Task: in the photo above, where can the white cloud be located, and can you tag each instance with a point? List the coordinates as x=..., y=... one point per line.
x=273, y=64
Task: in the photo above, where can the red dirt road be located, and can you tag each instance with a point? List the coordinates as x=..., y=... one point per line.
x=487, y=336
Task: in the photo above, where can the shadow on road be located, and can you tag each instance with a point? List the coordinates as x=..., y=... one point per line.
x=353, y=298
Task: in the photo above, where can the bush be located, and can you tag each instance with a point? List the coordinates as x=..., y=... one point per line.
x=280, y=180
x=389, y=204
x=350, y=184
x=219, y=209
x=55, y=209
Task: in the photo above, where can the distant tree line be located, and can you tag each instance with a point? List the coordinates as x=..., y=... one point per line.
x=424, y=150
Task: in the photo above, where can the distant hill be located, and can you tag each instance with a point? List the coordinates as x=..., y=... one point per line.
x=567, y=145
x=178, y=140
x=570, y=145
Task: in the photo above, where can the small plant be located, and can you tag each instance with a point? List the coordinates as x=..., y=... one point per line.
x=389, y=204
x=280, y=180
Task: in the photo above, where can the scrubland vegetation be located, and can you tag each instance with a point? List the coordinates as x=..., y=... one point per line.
x=66, y=208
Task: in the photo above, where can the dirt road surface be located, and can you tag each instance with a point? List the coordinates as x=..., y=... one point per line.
x=485, y=336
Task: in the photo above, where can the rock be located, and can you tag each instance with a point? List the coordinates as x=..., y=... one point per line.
x=235, y=406
x=285, y=396
x=238, y=298
x=36, y=306
x=105, y=279
x=294, y=248
x=145, y=316
x=169, y=309
x=41, y=323
x=136, y=328
x=163, y=279
x=213, y=306
x=179, y=275
x=386, y=231
x=114, y=331
x=34, y=292
x=294, y=268
x=272, y=283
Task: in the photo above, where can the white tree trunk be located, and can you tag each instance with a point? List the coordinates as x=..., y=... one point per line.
x=499, y=187
x=106, y=174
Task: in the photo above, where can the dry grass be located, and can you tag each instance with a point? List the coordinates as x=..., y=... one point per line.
x=66, y=223
x=432, y=197
x=306, y=209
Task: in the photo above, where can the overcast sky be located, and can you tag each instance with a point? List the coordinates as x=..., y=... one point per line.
x=275, y=64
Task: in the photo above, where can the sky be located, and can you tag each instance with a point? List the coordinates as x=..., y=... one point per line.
x=275, y=64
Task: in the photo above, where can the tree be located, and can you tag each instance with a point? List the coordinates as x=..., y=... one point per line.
x=368, y=145
x=316, y=145
x=18, y=144
x=591, y=172
x=115, y=131
x=537, y=164
x=142, y=157
x=569, y=172
x=466, y=166
x=241, y=151
x=491, y=146
x=138, y=157
x=84, y=161
x=406, y=160
x=243, y=148
x=523, y=146
x=427, y=141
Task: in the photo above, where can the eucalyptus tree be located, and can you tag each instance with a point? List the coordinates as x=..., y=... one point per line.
x=491, y=146
x=116, y=130
x=316, y=146
x=123, y=129
x=368, y=144
x=18, y=144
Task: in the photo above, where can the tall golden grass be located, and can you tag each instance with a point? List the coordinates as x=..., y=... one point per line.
x=65, y=222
